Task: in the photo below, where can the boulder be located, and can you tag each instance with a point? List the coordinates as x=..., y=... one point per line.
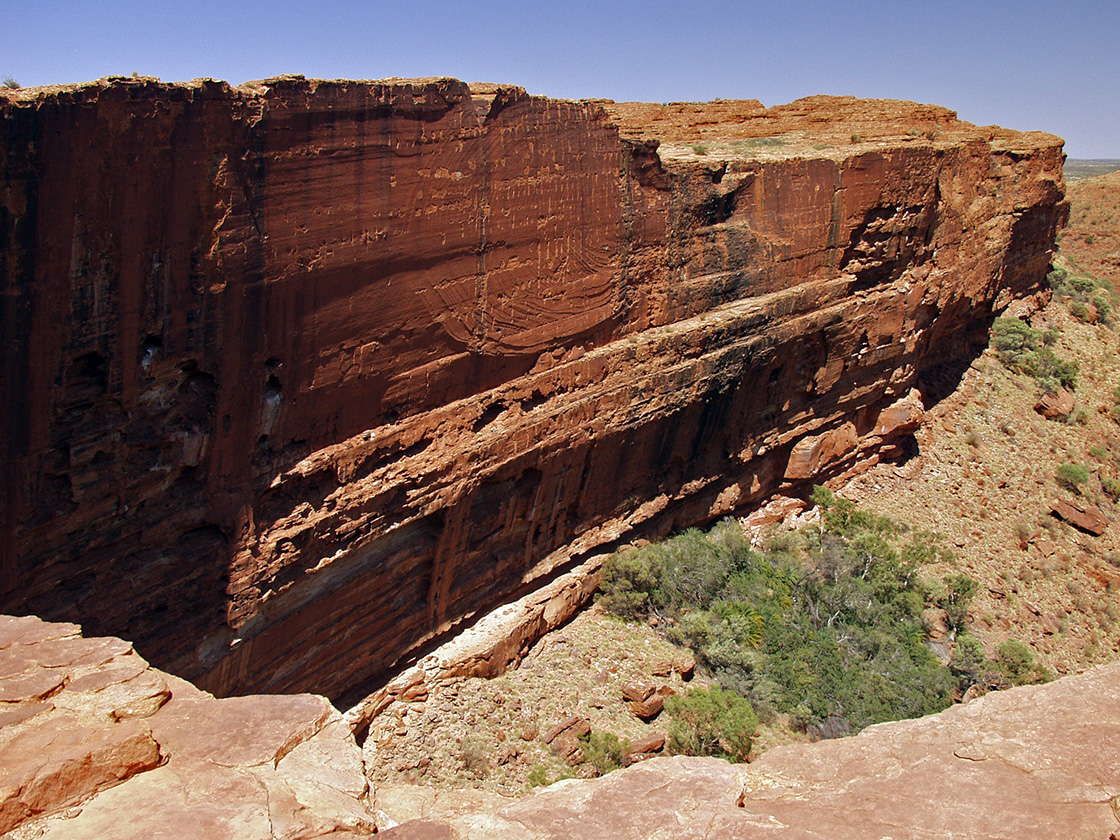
x=94, y=743
x=1057, y=405
x=1082, y=515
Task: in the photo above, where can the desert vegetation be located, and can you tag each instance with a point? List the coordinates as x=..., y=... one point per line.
x=828, y=625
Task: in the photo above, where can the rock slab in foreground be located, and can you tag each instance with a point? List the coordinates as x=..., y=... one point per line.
x=1038, y=762
x=96, y=744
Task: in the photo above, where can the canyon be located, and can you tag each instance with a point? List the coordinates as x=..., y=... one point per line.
x=300, y=377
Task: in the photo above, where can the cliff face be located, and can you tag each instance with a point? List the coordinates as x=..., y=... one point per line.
x=298, y=375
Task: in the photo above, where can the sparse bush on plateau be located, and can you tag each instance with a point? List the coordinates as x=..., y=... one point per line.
x=9, y=83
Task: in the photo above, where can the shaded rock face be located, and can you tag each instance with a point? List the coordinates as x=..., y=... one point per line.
x=299, y=375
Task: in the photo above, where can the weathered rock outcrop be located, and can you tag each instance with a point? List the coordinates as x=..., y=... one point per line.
x=1041, y=761
x=297, y=376
x=97, y=744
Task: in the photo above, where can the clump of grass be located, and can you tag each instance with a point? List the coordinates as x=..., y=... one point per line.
x=10, y=83
x=604, y=751
x=1071, y=477
x=700, y=149
x=761, y=142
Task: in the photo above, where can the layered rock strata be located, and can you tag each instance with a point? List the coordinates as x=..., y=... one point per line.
x=298, y=376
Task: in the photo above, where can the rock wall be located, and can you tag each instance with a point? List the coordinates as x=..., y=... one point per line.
x=297, y=376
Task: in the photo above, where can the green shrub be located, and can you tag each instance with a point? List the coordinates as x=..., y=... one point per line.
x=824, y=623
x=1111, y=488
x=960, y=590
x=628, y=578
x=1072, y=476
x=711, y=722
x=1079, y=311
x=604, y=751
x=700, y=149
x=1057, y=279
x=968, y=662
x=1104, y=308
x=1023, y=349
x=1016, y=664
x=474, y=752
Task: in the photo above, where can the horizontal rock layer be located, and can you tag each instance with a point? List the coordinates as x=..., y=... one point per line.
x=298, y=376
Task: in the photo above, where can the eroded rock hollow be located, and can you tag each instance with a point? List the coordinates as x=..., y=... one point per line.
x=299, y=375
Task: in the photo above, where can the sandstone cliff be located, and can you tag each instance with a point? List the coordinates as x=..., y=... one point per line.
x=299, y=375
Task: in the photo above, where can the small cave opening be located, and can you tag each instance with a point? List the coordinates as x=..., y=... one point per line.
x=492, y=413
x=87, y=377
x=718, y=208
x=270, y=410
x=149, y=349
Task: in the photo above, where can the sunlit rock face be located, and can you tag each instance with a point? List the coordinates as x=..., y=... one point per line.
x=299, y=375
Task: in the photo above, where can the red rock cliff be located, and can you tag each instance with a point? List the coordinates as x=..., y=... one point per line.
x=298, y=375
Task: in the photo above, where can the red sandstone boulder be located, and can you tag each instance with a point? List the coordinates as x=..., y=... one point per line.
x=145, y=755
x=63, y=761
x=1056, y=405
x=1083, y=515
x=645, y=747
x=649, y=708
x=813, y=453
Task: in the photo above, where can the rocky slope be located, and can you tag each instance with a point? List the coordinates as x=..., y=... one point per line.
x=299, y=375
x=98, y=744
x=985, y=471
x=1039, y=761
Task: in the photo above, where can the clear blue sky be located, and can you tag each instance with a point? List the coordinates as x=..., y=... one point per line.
x=1030, y=64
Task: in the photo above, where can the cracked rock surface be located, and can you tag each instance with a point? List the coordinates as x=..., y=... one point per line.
x=95, y=743
x=1039, y=762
